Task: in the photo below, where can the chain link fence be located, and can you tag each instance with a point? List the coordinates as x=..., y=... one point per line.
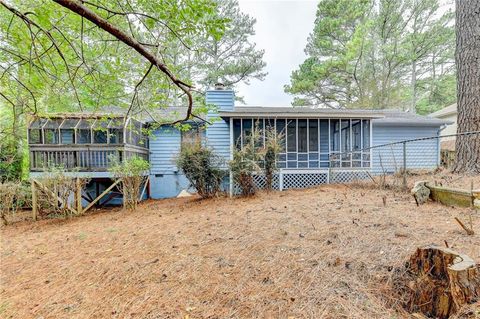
x=405, y=157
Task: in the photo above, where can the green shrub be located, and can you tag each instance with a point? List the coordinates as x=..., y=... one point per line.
x=273, y=146
x=13, y=196
x=202, y=167
x=132, y=175
x=246, y=162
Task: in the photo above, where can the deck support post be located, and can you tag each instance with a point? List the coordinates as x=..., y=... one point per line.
x=78, y=196
x=34, y=200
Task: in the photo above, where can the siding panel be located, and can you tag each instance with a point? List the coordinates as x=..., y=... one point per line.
x=420, y=154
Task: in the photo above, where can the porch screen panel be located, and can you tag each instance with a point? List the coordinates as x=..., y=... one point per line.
x=246, y=131
x=259, y=132
x=324, y=143
x=282, y=156
x=335, y=142
x=345, y=143
x=366, y=143
x=302, y=143
x=356, y=143
x=237, y=131
x=292, y=144
x=313, y=155
x=302, y=136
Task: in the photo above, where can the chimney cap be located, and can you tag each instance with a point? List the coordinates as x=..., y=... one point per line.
x=219, y=86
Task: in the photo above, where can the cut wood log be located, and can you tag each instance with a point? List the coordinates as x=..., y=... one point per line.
x=442, y=281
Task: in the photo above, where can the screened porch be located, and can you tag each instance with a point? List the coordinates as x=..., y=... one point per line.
x=313, y=143
x=84, y=143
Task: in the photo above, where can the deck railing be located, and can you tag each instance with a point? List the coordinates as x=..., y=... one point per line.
x=85, y=158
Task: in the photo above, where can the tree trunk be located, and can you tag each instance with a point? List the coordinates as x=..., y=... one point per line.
x=413, y=106
x=467, y=59
x=443, y=281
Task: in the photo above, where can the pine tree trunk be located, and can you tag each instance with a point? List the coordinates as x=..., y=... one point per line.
x=467, y=59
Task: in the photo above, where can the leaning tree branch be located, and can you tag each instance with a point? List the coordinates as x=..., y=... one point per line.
x=78, y=8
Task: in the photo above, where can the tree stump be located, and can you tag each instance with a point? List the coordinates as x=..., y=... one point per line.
x=442, y=281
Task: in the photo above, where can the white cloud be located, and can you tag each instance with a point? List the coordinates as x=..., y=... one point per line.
x=282, y=30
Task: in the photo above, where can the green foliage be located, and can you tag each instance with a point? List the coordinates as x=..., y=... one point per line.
x=246, y=162
x=201, y=166
x=132, y=173
x=378, y=54
x=13, y=196
x=10, y=161
x=273, y=146
x=62, y=62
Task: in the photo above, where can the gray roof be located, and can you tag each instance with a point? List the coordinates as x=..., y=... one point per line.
x=392, y=117
x=387, y=117
x=381, y=117
x=303, y=111
x=449, y=110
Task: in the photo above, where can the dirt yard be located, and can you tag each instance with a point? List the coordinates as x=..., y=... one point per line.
x=327, y=252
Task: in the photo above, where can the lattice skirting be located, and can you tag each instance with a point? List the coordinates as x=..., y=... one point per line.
x=307, y=179
x=304, y=180
x=339, y=177
x=260, y=183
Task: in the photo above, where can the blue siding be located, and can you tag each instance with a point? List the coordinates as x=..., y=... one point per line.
x=218, y=133
x=167, y=185
x=164, y=147
x=224, y=100
x=166, y=179
x=420, y=154
x=218, y=138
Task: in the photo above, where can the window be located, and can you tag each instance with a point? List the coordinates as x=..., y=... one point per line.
x=237, y=131
x=335, y=135
x=247, y=131
x=292, y=136
x=51, y=136
x=356, y=135
x=116, y=135
x=100, y=136
x=345, y=135
x=313, y=135
x=51, y=132
x=259, y=132
x=67, y=131
x=35, y=136
x=366, y=133
x=84, y=133
x=67, y=136
x=35, y=131
x=115, y=131
x=83, y=136
x=302, y=136
x=280, y=125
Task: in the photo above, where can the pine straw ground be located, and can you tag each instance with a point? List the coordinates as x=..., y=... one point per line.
x=327, y=252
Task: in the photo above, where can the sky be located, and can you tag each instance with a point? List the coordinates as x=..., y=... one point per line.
x=282, y=30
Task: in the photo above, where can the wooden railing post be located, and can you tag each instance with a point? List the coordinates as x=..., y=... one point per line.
x=78, y=196
x=34, y=200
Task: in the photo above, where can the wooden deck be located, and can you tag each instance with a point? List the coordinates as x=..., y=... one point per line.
x=83, y=158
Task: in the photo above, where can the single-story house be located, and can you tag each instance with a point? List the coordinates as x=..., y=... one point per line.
x=321, y=145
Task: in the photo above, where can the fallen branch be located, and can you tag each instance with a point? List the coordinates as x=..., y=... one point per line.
x=469, y=231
